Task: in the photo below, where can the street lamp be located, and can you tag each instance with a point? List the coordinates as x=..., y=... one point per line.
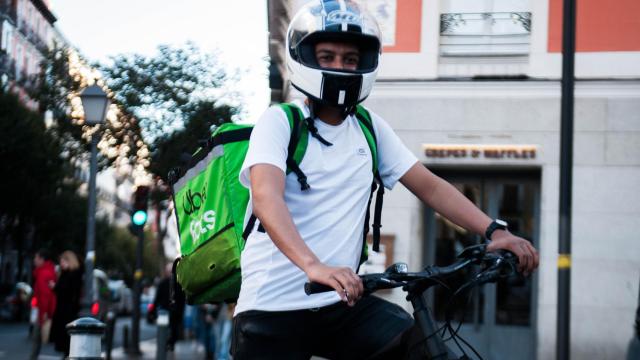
x=95, y=104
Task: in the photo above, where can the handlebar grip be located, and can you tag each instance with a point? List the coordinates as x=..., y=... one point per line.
x=316, y=288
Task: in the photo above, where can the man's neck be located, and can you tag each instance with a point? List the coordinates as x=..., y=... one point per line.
x=328, y=114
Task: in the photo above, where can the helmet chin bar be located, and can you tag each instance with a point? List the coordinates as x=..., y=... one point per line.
x=336, y=89
x=341, y=90
x=315, y=103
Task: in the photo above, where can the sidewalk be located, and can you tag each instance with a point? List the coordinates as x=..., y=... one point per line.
x=187, y=349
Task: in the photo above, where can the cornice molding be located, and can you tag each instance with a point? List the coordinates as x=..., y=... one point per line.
x=503, y=89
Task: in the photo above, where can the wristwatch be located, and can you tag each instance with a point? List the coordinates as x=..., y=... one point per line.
x=496, y=224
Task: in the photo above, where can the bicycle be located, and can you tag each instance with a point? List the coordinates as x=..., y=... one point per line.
x=431, y=345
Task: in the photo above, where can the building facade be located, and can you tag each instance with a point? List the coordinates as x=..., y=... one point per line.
x=472, y=87
x=26, y=32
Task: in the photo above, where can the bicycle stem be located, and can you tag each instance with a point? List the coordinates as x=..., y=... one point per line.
x=435, y=348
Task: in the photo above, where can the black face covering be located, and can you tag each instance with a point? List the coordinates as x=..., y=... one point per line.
x=341, y=90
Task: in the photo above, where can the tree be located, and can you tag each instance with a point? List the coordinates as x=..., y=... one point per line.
x=172, y=149
x=64, y=73
x=177, y=95
x=40, y=205
x=165, y=90
x=116, y=253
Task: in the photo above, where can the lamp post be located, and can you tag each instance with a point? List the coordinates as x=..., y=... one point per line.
x=94, y=103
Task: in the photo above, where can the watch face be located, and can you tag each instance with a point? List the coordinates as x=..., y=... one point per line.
x=501, y=223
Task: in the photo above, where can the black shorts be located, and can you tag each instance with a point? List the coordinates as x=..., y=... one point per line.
x=335, y=332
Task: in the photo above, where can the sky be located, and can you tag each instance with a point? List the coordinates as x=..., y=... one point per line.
x=238, y=29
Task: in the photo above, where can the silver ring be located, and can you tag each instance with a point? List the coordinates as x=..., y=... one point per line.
x=346, y=294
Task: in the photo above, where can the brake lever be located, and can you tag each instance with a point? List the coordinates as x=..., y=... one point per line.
x=487, y=276
x=499, y=257
x=503, y=264
x=474, y=252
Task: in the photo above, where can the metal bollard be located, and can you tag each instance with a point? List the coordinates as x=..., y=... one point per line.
x=85, y=339
x=162, y=323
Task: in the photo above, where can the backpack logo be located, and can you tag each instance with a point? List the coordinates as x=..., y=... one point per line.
x=199, y=227
x=193, y=201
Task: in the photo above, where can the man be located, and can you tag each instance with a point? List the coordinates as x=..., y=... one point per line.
x=333, y=48
x=44, y=280
x=162, y=301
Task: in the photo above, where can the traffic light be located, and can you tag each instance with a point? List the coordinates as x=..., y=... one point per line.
x=139, y=208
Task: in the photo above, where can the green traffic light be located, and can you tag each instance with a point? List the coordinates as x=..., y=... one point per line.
x=139, y=217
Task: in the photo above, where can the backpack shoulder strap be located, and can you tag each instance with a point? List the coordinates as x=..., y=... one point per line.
x=366, y=123
x=297, y=142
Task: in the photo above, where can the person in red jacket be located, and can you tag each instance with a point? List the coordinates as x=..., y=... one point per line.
x=44, y=280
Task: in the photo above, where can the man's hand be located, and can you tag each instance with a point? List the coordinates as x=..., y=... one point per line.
x=528, y=257
x=343, y=279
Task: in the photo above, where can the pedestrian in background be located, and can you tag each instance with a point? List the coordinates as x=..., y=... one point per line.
x=206, y=316
x=44, y=280
x=223, y=332
x=163, y=301
x=177, y=306
x=68, y=293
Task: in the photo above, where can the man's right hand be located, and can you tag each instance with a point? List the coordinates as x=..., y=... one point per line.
x=346, y=283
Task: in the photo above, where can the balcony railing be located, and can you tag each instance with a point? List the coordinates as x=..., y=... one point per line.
x=485, y=34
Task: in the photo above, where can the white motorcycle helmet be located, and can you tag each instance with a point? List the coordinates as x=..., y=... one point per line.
x=330, y=20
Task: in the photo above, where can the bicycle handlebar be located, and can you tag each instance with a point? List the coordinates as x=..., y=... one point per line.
x=496, y=265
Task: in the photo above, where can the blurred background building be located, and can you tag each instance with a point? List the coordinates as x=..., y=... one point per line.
x=473, y=89
x=27, y=31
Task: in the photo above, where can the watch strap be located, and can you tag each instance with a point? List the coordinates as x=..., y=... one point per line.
x=495, y=225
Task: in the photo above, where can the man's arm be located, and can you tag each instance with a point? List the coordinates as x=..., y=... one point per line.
x=267, y=189
x=452, y=204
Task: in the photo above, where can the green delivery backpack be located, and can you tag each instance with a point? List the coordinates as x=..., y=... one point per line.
x=210, y=205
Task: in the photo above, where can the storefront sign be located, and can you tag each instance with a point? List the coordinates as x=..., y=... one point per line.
x=470, y=151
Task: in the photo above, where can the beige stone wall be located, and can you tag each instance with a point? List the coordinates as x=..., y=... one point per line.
x=606, y=200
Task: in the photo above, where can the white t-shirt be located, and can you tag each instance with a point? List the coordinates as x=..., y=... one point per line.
x=329, y=216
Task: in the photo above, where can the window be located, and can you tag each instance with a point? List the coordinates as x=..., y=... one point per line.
x=6, y=37
x=18, y=59
x=481, y=28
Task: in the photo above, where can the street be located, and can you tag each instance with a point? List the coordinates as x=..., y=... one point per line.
x=16, y=344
